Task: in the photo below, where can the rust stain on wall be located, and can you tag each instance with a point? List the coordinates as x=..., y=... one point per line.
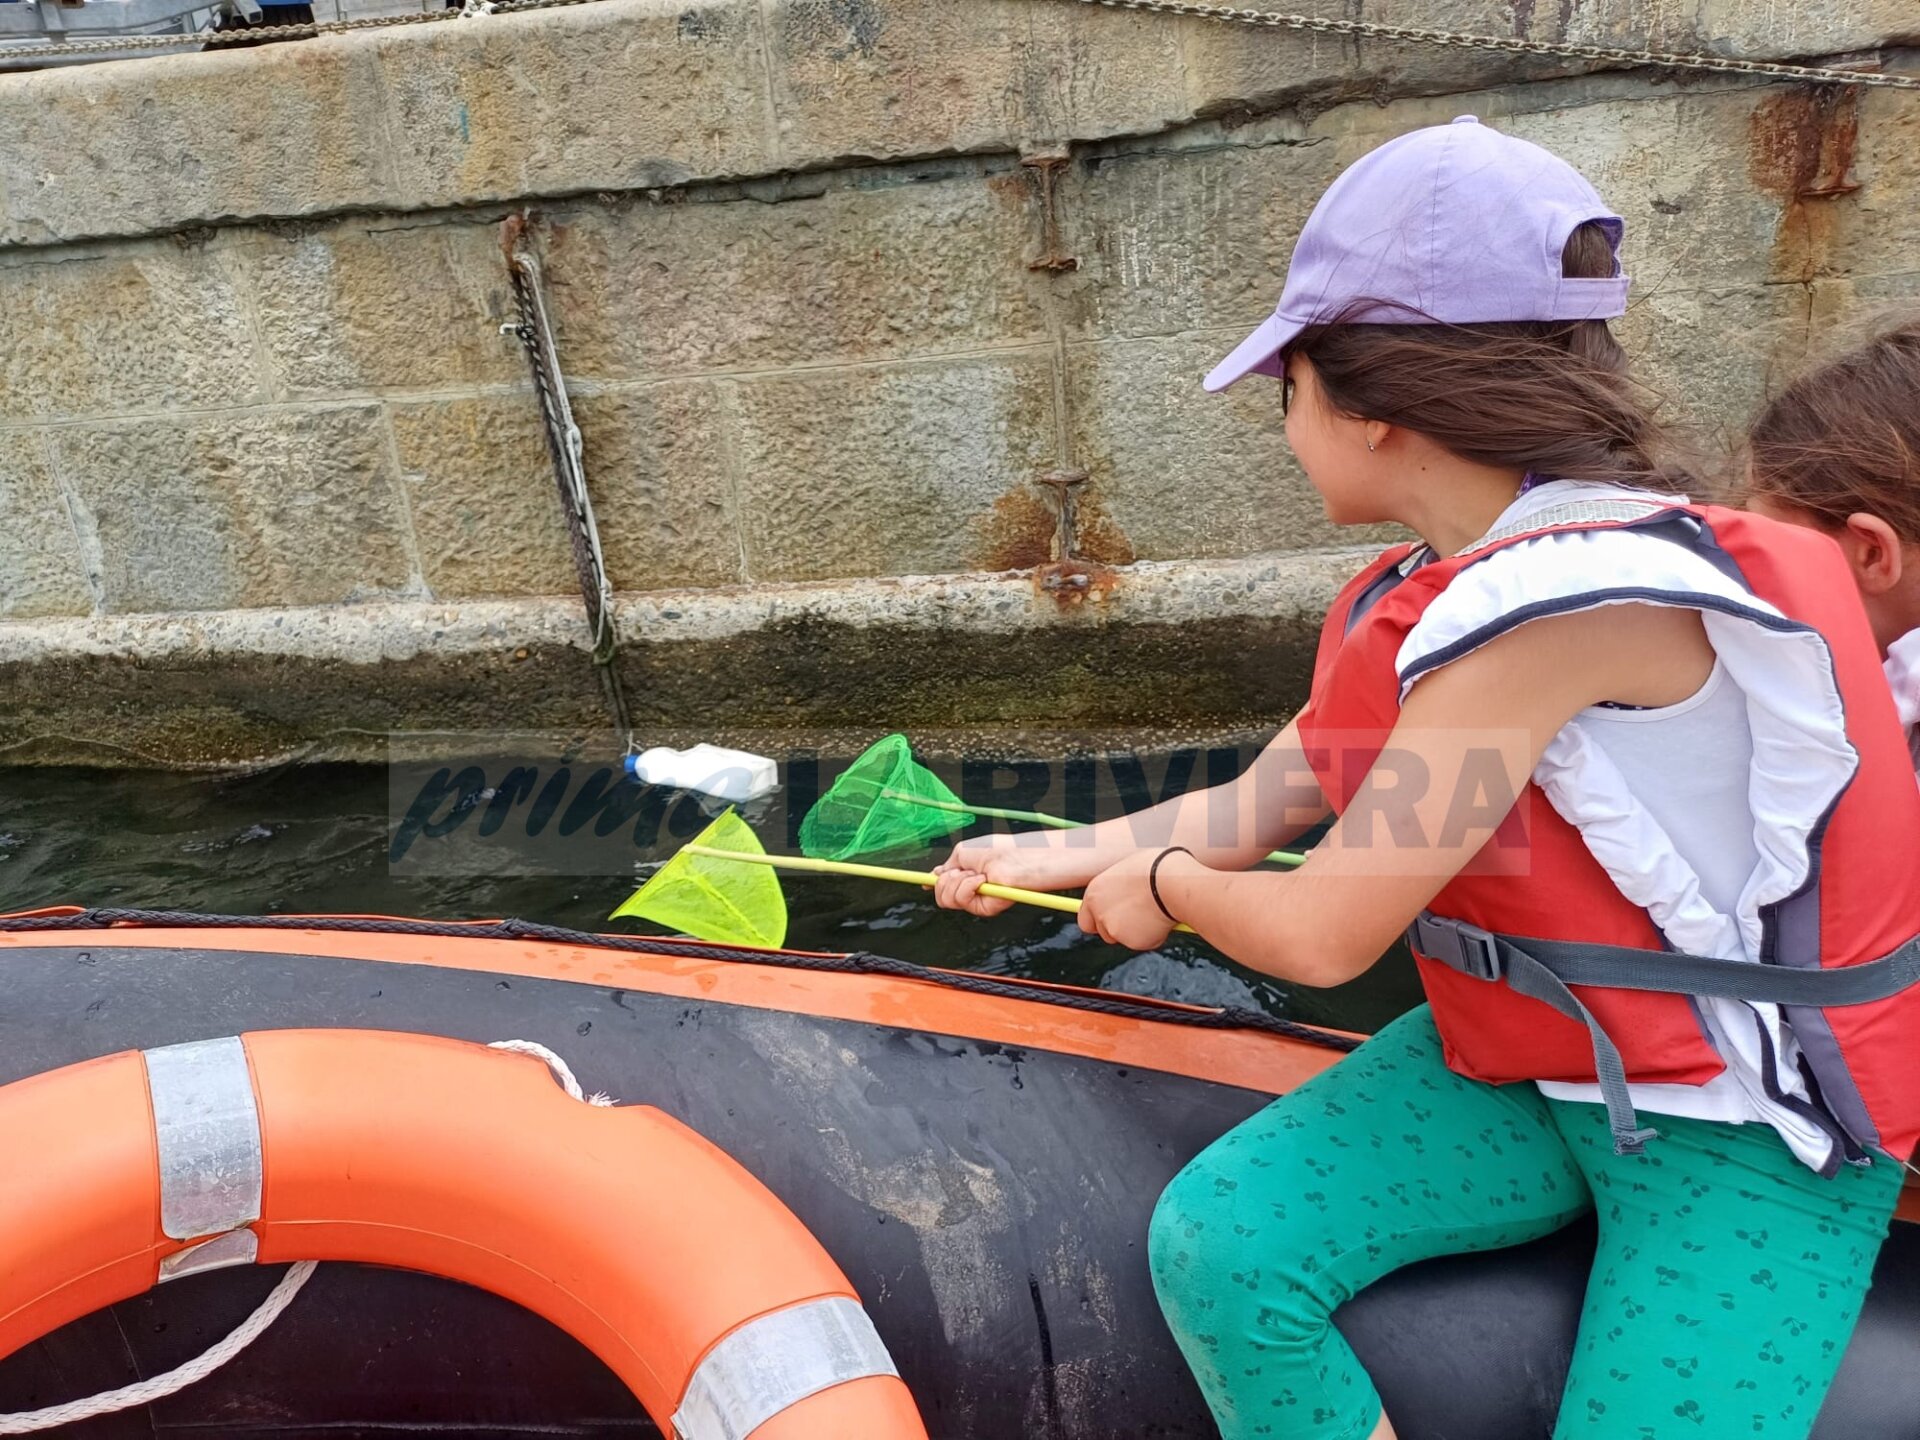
x=1800, y=150
x=1098, y=535
x=1022, y=532
x=1019, y=532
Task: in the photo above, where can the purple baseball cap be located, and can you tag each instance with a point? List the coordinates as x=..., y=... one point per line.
x=1451, y=225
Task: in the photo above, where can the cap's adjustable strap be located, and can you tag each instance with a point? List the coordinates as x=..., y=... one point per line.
x=1544, y=969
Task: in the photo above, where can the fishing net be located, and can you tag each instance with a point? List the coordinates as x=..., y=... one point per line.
x=712, y=898
x=885, y=801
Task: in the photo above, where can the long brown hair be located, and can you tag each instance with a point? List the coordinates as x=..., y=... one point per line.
x=1551, y=397
x=1845, y=438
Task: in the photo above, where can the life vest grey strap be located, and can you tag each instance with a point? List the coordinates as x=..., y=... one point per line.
x=1487, y=956
x=775, y=1361
x=1544, y=969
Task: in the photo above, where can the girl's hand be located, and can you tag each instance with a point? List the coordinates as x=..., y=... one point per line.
x=1119, y=906
x=1002, y=860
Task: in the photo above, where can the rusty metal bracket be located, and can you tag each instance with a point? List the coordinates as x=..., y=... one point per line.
x=1069, y=579
x=1046, y=166
x=1065, y=484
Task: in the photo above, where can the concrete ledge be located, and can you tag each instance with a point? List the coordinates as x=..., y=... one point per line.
x=1217, y=647
x=543, y=104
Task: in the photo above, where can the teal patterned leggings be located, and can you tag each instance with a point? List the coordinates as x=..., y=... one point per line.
x=1727, y=1281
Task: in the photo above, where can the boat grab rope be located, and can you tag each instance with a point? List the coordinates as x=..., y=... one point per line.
x=1125, y=1007
x=145, y=1392
x=1607, y=55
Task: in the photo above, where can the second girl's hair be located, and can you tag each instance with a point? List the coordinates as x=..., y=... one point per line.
x=1552, y=397
x=1845, y=438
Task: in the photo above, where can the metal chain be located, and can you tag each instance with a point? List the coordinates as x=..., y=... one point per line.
x=535, y=333
x=1416, y=35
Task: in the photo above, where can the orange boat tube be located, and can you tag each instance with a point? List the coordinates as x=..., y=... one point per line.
x=689, y=1279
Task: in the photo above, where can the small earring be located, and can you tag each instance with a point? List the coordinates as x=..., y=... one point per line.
x=1369, y=445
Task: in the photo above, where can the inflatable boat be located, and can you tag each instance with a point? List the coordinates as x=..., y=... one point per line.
x=822, y=1195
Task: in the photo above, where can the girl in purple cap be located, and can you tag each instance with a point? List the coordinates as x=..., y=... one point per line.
x=1623, y=770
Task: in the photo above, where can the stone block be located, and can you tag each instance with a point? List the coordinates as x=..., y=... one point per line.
x=151, y=145
x=1866, y=230
x=1844, y=313
x=1775, y=32
x=480, y=491
x=1091, y=73
x=1706, y=357
x=642, y=291
x=273, y=508
x=144, y=327
x=1231, y=69
x=352, y=309
x=1183, y=473
x=1677, y=166
x=885, y=78
x=890, y=470
x=1172, y=240
x=660, y=469
x=621, y=95
x=892, y=78
x=42, y=572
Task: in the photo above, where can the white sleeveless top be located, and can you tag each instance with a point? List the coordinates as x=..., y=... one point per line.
x=1697, y=811
x=1903, y=676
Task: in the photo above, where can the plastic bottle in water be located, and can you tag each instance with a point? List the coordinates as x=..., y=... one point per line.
x=733, y=775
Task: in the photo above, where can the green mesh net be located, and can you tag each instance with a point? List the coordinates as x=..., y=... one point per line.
x=885, y=801
x=712, y=898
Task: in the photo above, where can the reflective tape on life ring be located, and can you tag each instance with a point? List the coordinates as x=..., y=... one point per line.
x=776, y=1361
x=206, y=1128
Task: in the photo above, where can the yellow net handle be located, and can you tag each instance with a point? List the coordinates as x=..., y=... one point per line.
x=1069, y=904
x=1034, y=817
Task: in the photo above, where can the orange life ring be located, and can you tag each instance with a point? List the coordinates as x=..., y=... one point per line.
x=652, y=1247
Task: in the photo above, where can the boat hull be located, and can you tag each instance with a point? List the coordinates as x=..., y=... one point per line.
x=982, y=1168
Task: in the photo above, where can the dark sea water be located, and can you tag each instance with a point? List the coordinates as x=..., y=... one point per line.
x=320, y=838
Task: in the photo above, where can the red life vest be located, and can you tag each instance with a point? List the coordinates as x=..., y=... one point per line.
x=1860, y=902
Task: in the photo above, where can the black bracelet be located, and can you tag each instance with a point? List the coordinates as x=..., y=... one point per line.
x=1153, y=878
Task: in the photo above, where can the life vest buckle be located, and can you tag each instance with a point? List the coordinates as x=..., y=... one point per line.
x=1458, y=945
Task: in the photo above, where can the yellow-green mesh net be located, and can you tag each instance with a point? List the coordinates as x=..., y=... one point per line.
x=885, y=801
x=712, y=898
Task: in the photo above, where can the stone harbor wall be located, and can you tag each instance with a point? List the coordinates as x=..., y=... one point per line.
x=840, y=288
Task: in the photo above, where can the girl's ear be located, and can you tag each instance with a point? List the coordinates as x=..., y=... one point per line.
x=1874, y=551
x=1375, y=433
